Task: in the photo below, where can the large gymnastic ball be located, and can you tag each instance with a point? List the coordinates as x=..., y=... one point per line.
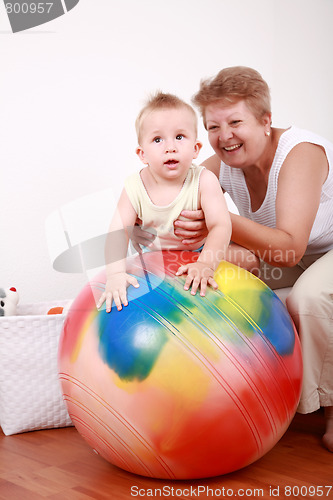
x=176, y=386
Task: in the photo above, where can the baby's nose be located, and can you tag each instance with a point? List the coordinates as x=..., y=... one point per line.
x=171, y=148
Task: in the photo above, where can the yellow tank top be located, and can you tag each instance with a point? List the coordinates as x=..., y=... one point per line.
x=159, y=219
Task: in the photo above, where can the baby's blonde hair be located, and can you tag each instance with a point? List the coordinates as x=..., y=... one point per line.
x=160, y=100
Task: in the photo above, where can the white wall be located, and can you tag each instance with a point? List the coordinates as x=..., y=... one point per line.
x=70, y=91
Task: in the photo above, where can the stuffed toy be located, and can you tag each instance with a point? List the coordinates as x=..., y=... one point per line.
x=8, y=301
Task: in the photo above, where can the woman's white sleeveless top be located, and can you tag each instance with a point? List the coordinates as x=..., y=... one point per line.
x=233, y=182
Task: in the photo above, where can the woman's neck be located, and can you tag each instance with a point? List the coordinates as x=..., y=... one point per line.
x=261, y=168
x=257, y=175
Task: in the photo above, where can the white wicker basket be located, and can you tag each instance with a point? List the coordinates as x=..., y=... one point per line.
x=30, y=393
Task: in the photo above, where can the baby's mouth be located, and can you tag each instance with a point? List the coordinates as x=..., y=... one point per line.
x=171, y=162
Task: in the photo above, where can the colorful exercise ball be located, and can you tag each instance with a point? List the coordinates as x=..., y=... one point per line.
x=177, y=386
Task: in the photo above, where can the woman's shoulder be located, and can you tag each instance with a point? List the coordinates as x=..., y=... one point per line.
x=295, y=142
x=295, y=135
x=303, y=153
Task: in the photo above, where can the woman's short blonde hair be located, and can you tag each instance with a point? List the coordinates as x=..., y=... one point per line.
x=161, y=100
x=235, y=84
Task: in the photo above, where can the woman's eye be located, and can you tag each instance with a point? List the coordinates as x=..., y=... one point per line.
x=157, y=140
x=235, y=122
x=179, y=137
x=211, y=128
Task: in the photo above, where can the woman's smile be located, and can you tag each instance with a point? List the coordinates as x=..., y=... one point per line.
x=234, y=147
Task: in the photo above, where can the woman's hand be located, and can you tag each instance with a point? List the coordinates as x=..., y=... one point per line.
x=192, y=230
x=141, y=238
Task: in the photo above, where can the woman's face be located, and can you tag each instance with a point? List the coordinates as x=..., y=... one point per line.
x=235, y=134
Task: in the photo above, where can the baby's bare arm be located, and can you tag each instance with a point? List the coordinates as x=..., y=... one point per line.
x=219, y=231
x=117, y=280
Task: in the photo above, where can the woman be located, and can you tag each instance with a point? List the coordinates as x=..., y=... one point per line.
x=281, y=181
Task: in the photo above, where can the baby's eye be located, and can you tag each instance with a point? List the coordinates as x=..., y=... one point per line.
x=179, y=137
x=157, y=139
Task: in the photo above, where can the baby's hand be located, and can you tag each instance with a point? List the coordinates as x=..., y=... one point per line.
x=115, y=289
x=198, y=273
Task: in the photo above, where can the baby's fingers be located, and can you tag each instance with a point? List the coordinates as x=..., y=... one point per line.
x=195, y=284
x=117, y=300
x=108, y=301
x=133, y=281
x=122, y=298
x=203, y=287
x=213, y=283
x=182, y=270
x=188, y=282
x=101, y=300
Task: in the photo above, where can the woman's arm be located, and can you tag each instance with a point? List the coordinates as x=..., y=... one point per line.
x=299, y=187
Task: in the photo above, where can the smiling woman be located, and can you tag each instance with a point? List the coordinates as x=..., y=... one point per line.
x=281, y=181
x=234, y=131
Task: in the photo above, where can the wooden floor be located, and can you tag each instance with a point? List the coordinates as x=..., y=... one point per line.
x=58, y=465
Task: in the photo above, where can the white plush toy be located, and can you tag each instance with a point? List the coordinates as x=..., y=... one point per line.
x=8, y=301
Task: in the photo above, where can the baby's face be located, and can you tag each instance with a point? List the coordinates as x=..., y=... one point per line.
x=169, y=142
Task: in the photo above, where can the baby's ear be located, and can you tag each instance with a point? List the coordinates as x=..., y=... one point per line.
x=139, y=151
x=197, y=147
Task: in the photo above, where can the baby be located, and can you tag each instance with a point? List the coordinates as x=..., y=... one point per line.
x=169, y=183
